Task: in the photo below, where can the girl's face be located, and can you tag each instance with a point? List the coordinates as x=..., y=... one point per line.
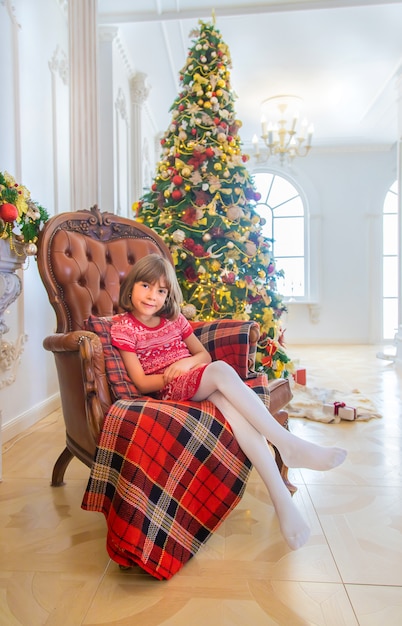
x=148, y=298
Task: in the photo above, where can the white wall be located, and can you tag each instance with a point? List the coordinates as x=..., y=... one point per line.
x=345, y=191
x=34, y=40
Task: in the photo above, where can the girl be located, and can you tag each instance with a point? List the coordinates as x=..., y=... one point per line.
x=163, y=357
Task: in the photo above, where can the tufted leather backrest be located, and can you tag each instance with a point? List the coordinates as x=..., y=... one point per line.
x=84, y=256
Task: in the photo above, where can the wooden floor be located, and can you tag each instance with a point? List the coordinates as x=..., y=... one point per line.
x=54, y=569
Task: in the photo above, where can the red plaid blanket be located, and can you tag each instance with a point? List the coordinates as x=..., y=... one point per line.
x=165, y=476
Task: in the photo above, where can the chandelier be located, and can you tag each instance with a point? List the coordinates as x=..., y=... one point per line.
x=281, y=132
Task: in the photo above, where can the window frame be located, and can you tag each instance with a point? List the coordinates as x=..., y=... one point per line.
x=394, y=190
x=310, y=294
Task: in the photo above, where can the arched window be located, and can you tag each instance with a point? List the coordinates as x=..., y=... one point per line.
x=390, y=263
x=282, y=207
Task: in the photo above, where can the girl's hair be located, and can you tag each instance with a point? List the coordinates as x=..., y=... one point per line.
x=150, y=269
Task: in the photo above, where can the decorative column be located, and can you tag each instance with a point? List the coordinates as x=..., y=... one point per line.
x=84, y=103
x=10, y=289
x=398, y=336
x=139, y=93
x=107, y=38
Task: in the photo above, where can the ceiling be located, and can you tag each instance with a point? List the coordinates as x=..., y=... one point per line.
x=342, y=59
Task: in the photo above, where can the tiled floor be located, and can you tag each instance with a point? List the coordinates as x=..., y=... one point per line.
x=54, y=569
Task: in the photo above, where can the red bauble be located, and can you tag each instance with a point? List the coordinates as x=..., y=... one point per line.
x=198, y=250
x=8, y=212
x=230, y=138
x=154, y=187
x=177, y=180
x=176, y=194
x=209, y=152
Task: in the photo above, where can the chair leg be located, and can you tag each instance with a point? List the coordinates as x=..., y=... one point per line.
x=282, y=418
x=60, y=467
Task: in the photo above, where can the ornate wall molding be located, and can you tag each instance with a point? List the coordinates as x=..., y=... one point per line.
x=10, y=358
x=59, y=69
x=58, y=65
x=139, y=91
x=122, y=154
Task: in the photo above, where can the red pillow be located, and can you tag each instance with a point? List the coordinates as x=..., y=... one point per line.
x=120, y=383
x=227, y=340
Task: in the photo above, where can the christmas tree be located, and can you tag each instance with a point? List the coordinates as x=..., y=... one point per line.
x=203, y=204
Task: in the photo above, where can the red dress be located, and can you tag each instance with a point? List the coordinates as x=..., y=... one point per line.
x=157, y=348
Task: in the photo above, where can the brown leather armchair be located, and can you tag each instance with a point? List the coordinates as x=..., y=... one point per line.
x=82, y=259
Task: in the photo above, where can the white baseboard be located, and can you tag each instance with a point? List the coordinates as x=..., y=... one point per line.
x=20, y=423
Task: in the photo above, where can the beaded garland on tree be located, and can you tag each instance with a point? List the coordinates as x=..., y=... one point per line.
x=202, y=203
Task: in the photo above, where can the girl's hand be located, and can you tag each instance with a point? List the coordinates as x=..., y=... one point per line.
x=177, y=369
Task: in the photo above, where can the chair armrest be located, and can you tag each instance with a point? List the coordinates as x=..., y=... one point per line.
x=280, y=394
x=84, y=388
x=233, y=341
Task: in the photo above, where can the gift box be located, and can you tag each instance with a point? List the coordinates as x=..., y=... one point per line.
x=300, y=376
x=341, y=410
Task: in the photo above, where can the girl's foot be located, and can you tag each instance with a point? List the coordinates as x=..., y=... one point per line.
x=295, y=532
x=302, y=453
x=293, y=526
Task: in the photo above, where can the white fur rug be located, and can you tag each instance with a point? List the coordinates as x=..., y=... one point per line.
x=308, y=402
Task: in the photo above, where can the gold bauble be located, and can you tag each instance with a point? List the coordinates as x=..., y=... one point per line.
x=189, y=311
x=30, y=249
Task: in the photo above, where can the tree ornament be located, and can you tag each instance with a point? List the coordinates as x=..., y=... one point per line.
x=189, y=311
x=30, y=249
x=176, y=194
x=177, y=180
x=8, y=212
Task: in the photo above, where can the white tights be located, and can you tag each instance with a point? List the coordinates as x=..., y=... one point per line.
x=253, y=425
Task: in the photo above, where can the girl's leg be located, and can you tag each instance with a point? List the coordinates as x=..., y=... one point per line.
x=255, y=447
x=295, y=452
